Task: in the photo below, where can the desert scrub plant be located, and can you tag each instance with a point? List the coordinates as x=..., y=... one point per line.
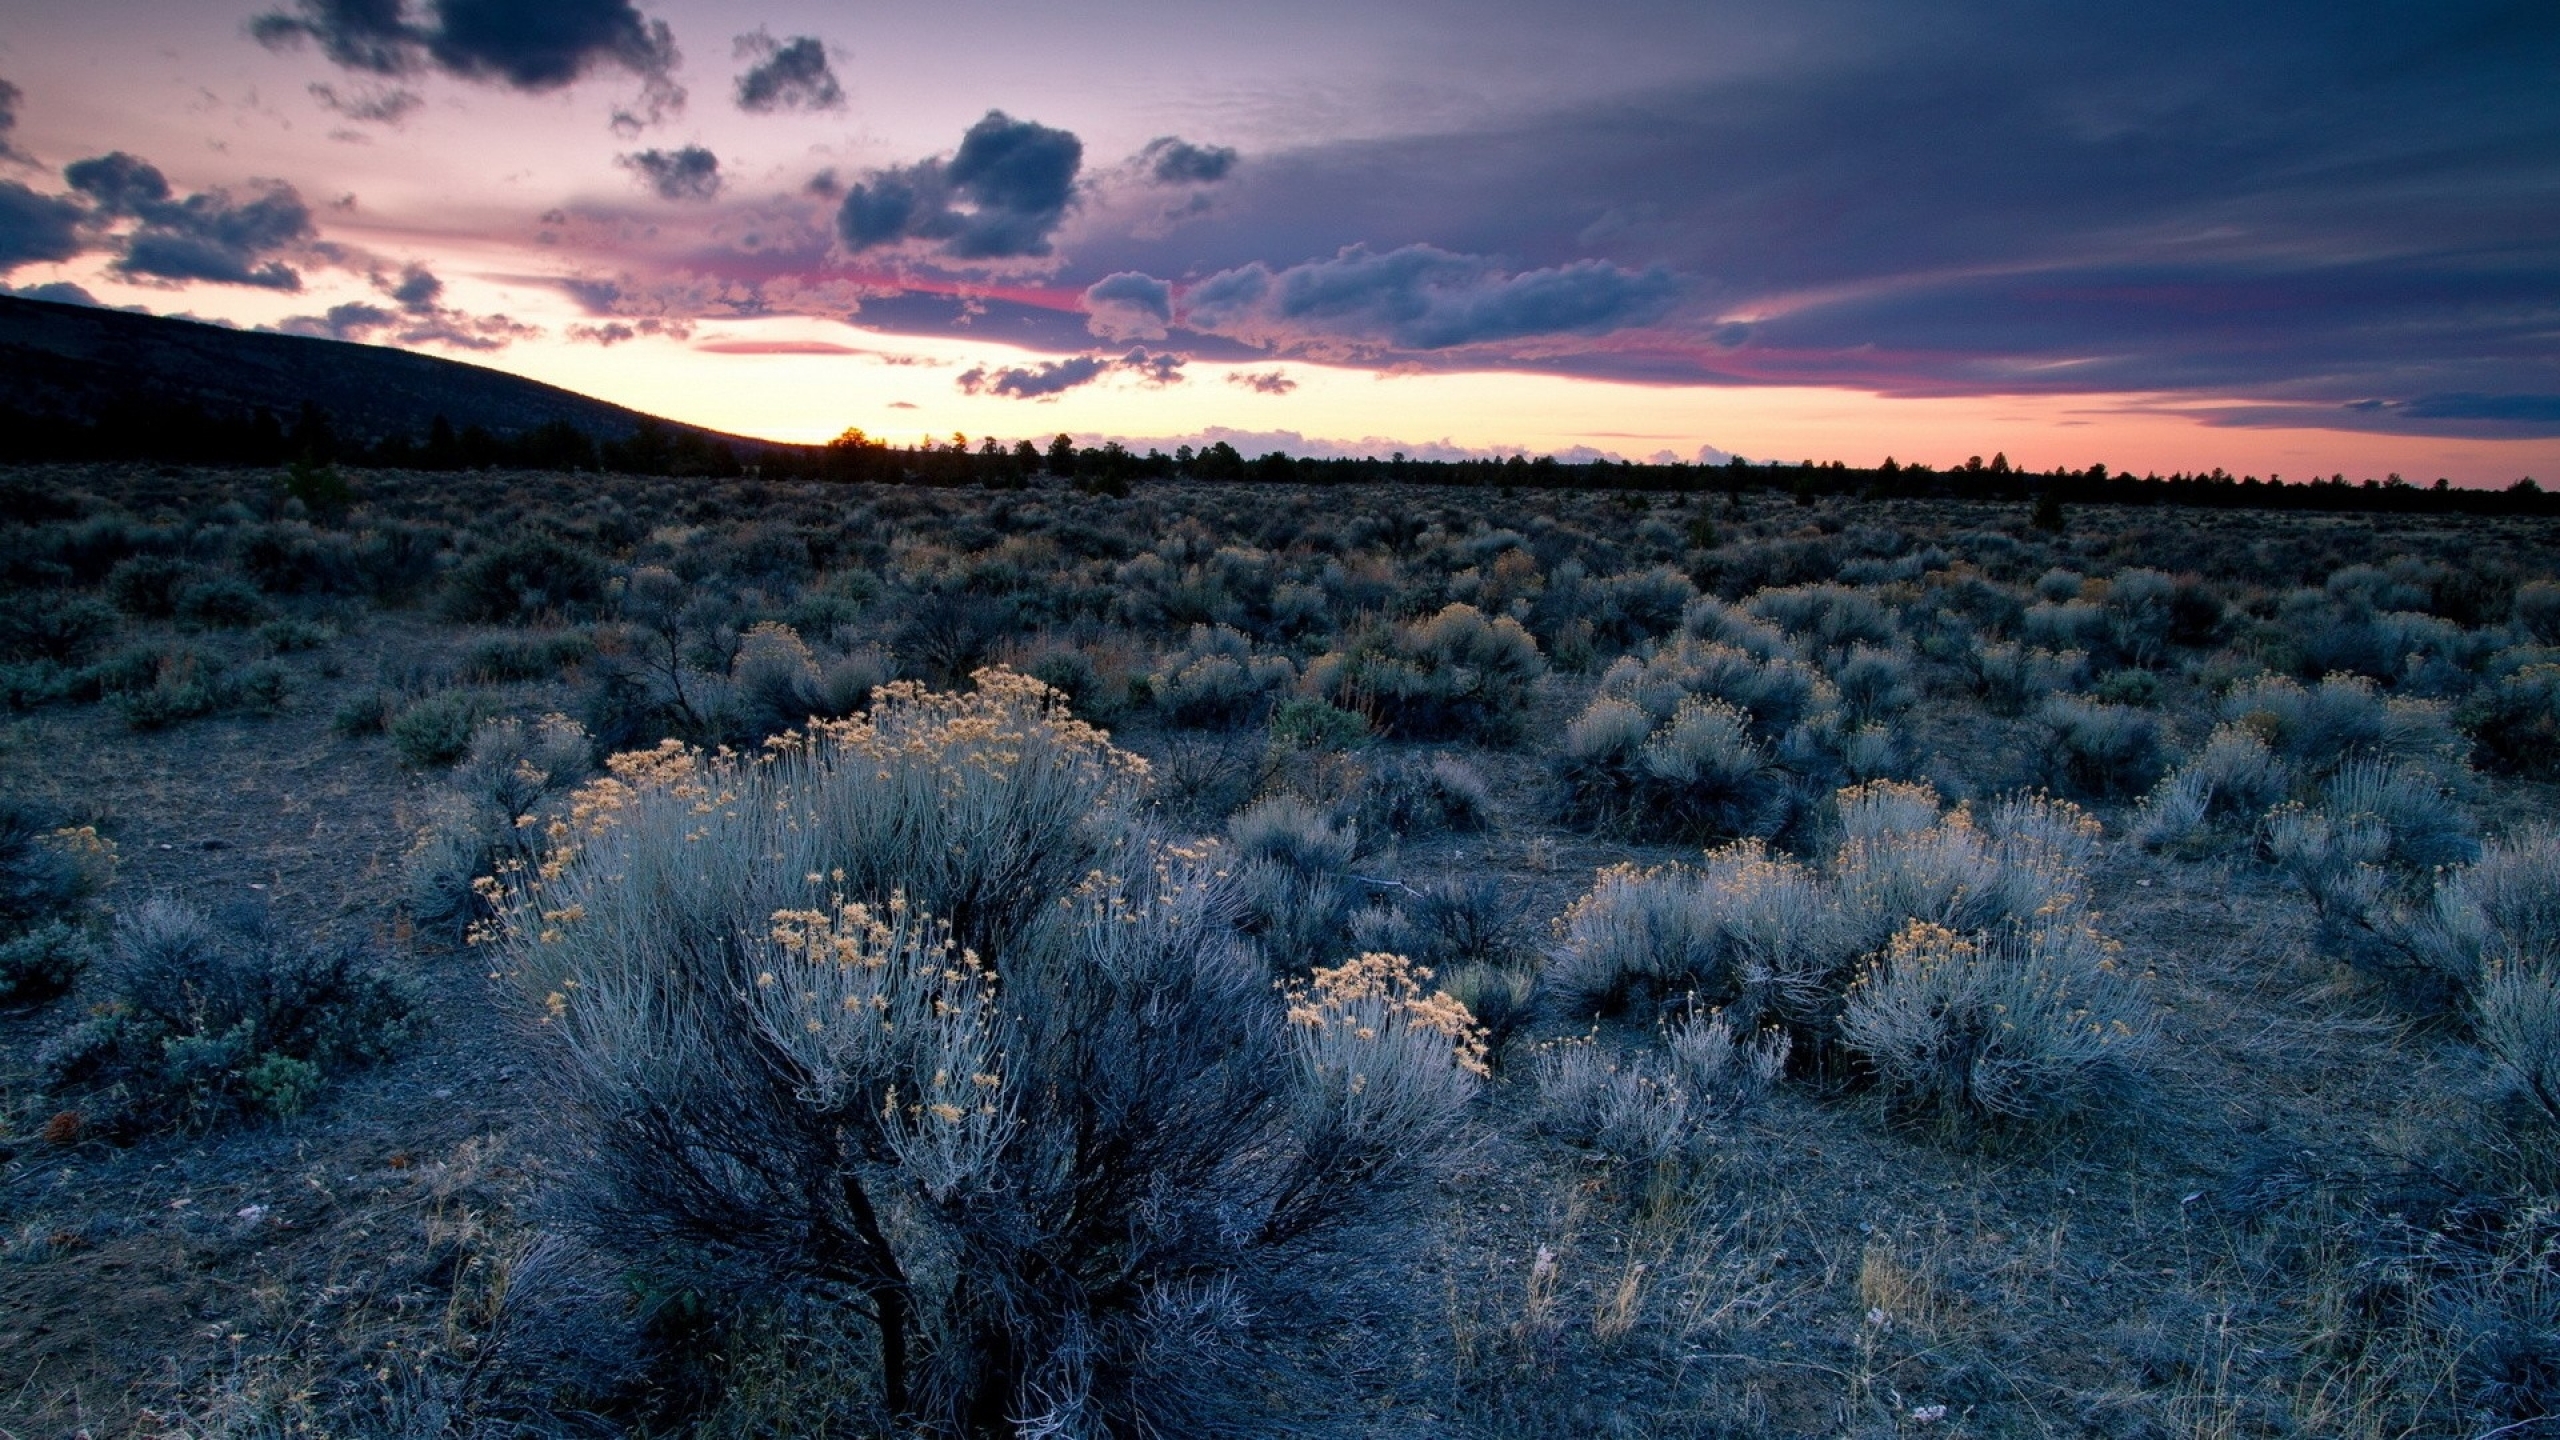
x=515, y=658
x=50, y=876
x=2227, y=784
x=2515, y=1021
x=1738, y=929
x=2503, y=909
x=2317, y=728
x=1873, y=684
x=197, y=1022
x=2100, y=749
x=1412, y=796
x=220, y=602
x=2012, y=678
x=1303, y=722
x=1655, y=1106
x=1454, y=675
x=1215, y=680
x=910, y=1016
x=1295, y=894
x=523, y=579
x=2364, y=850
x=436, y=731
x=1662, y=754
x=2514, y=718
x=487, y=814
x=776, y=684
x=2017, y=1026
x=2024, y=861
x=1778, y=691
x=1826, y=617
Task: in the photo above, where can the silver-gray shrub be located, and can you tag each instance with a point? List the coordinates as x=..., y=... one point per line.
x=2066, y=625
x=1293, y=888
x=2515, y=1018
x=1708, y=618
x=2024, y=1025
x=489, y=812
x=2101, y=749
x=912, y=1015
x=1825, y=616
x=1215, y=679
x=195, y=1019
x=776, y=684
x=2316, y=728
x=1698, y=773
x=1778, y=691
x=1874, y=684
x=1742, y=928
x=1648, y=1107
x=2423, y=821
x=1456, y=673
x=2234, y=778
x=1410, y=795
x=2502, y=910
x=2012, y=678
x=2022, y=862
x=2536, y=611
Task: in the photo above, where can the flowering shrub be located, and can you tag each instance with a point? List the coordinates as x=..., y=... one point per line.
x=2023, y=1024
x=908, y=1008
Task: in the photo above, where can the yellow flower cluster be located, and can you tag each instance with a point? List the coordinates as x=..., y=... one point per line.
x=1364, y=992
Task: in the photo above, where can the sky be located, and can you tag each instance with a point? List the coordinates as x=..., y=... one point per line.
x=2281, y=238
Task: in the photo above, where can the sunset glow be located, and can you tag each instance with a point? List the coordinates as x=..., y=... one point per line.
x=1676, y=231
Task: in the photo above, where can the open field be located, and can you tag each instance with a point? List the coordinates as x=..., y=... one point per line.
x=1938, y=974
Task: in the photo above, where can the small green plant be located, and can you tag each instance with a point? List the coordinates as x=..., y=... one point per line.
x=436, y=731
x=2127, y=687
x=1303, y=722
x=320, y=486
x=220, y=602
x=50, y=877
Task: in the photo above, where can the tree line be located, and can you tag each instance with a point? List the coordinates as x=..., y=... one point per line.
x=180, y=432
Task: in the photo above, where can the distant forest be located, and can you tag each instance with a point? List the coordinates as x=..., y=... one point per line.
x=133, y=429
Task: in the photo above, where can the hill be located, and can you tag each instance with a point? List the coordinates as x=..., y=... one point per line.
x=74, y=368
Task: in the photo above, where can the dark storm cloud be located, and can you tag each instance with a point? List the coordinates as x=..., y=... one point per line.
x=36, y=228
x=419, y=320
x=1050, y=377
x=353, y=321
x=1169, y=161
x=787, y=75
x=691, y=173
x=417, y=289
x=1421, y=298
x=1153, y=368
x=212, y=235
x=9, y=98
x=1000, y=197
x=60, y=292
x=2334, y=202
x=1128, y=306
x=377, y=105
x=534, y=45
x=121, y=184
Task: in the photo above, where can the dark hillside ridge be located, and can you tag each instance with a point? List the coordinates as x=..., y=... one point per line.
x=80, y=362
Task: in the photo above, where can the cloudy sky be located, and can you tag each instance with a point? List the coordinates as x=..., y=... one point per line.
x=2281, y=237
